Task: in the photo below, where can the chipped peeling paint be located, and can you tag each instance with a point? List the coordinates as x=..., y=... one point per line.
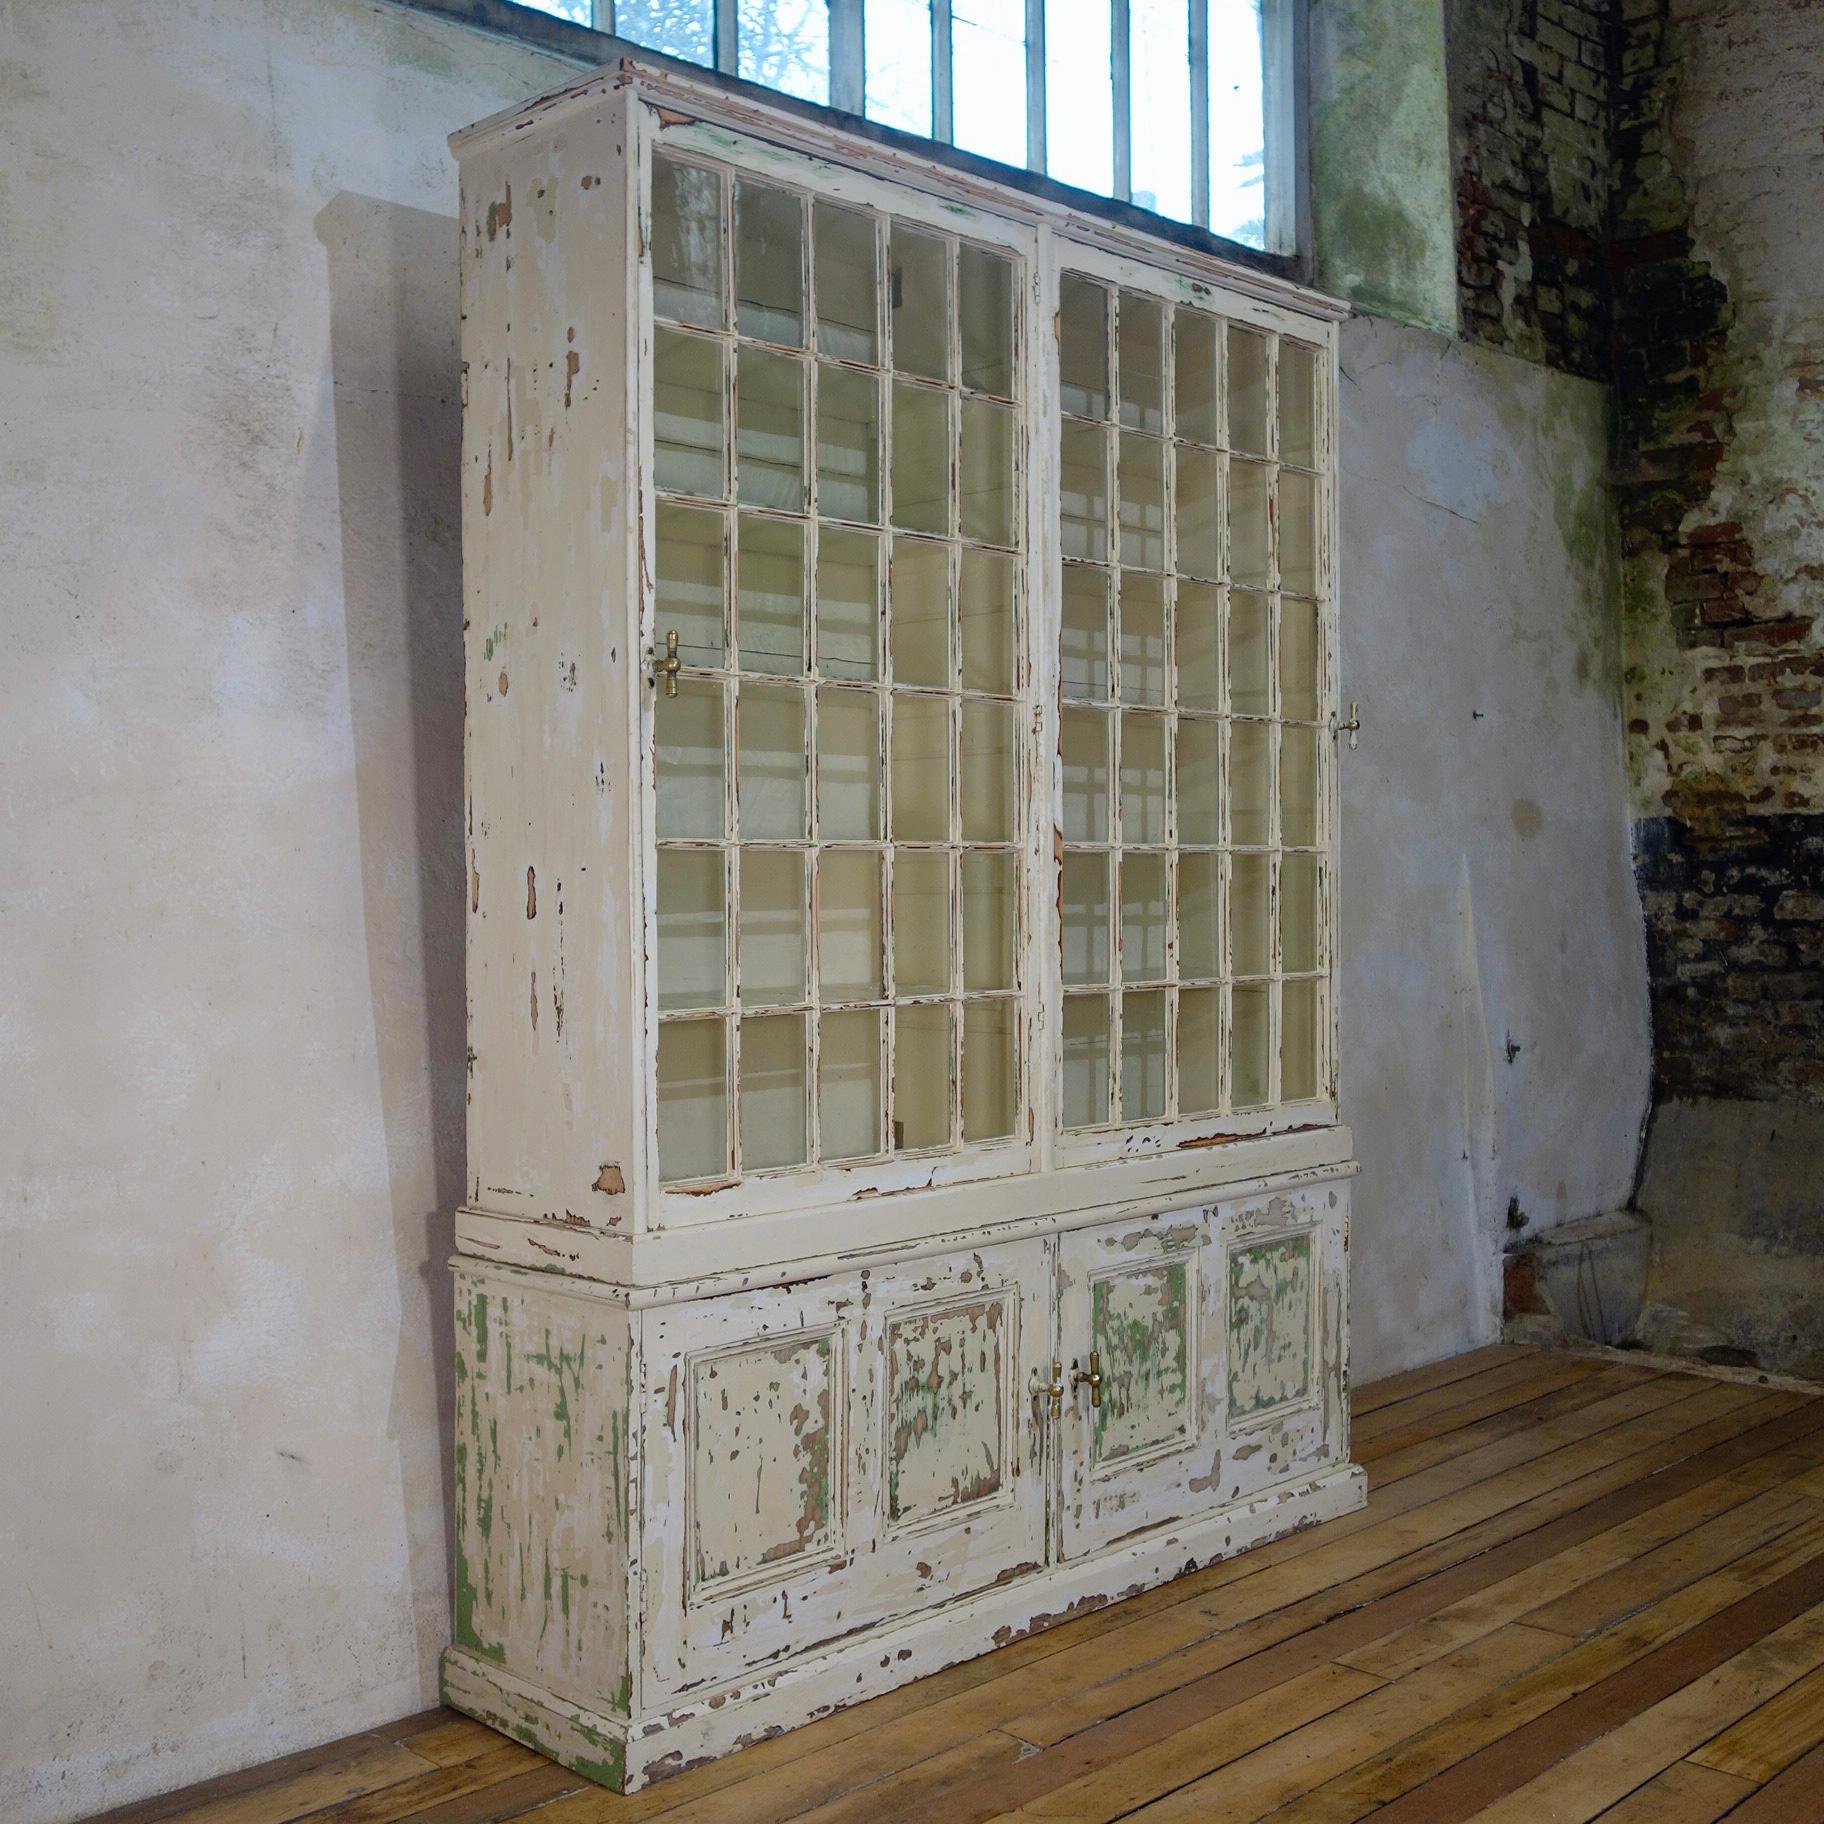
x=1270, y=1288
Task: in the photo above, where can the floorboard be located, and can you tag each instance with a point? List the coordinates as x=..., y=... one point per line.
x=1580, y=1590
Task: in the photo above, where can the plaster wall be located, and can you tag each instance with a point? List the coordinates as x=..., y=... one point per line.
x=231, y=1039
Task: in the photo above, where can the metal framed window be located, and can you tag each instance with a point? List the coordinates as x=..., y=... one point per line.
x=841, y=789
x=1186, y=108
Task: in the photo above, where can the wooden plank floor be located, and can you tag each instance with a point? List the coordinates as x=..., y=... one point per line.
x=1580, y=1590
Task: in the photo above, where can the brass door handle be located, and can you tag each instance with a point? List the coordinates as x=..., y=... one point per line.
x=1352, y=727
x=669, y=666
x=1092, y=1378
x=1054, y=1387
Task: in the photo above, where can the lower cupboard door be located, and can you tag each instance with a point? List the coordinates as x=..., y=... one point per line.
x=824, y=1457
x=1216, y=1336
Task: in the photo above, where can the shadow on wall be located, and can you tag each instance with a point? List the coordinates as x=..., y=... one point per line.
x=395, y=369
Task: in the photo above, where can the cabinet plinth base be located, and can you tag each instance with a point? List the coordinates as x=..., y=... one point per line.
x=628, y=1754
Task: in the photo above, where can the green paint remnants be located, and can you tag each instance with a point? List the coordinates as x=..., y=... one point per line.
x=1141, y=1325
x=1270, y=1288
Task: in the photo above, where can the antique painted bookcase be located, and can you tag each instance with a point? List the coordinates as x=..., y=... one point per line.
x=906, y=1202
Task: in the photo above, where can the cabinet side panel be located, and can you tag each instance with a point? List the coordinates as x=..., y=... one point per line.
x=542, y=1479
x=548, y=509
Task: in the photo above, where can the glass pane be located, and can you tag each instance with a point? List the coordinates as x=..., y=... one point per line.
x=1142, y=777
x=693, y=1100
x=987, y=472
x=987, y=622
x=1158, y=35
x=1084, y=636
x=923, y=1074
x=848, y=765
x=848, y=1085
x=1237, y=129
x=1198, y=630
x=686, y=243
x=1079, y=101
x=1250, y=556
x=848, y=604
x=849, y=947
x=918, y=593
x=775, y=1107
x=1083, y=905
x=1247, y=391
x=1250, y=922
x=990, y=920
x=1199, y=543
x=774, y=935
x=1143, y=658
x=1145, y=910
x=680, y=28
x=1297, y=1041
x=692, y=932
x=1199, y=782
x=1199, y=917
x=1250, y=691
x=1083, y=346
x=1298, y=787
x=1297, y=532
x=1143, y=1055
x=986, y=308
x=1083, y=745
x=769, y=611
x=769, y=438
x=1086, y=1060
x=1142, y=479
x=1298, y=404
x=1140, y=360
x=1250, y=793
x=688, y=451
x=848, y=283
x=896, y=41
x=689, y=583
x=1298, y=912
x=1199, y=1051
x=921, y=922
x=1083, y=486
x=921, y=769
x=1195, y=365
x=990, y=765
x=988, y=55
x=1298, y=661
x=920, y=302
x=921, y=459
x=770, y=724
x=990, y=1081
x=1253, y=1045
x=785, y=47
x=848, y=444
x=690, y=772
x=769, y=262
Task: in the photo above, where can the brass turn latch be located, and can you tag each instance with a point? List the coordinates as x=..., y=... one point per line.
x=1351, y=728
x=1092, y=1378
x=669, y=666
x=1054, y=1388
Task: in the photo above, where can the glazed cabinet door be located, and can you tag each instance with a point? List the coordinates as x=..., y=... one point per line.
x=1202, y=1361
x=826, y=1457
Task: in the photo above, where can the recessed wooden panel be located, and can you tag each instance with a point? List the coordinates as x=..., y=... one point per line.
x=1270, y=1286
x=762, y=1459
x=1141, y=1321
x=946, y=1443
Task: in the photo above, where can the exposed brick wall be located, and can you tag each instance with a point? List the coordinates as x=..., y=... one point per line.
x=1530, y=96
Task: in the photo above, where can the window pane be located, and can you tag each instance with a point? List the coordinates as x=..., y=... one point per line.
x=1079, y=95
x=1199, y=1051
x=921, y=768
x=774, y=941
x=848, y=283
x=693, y=1100
x=1144, y=906
x=923, y=1074
x=987, y=321
x=1250, y=525
x=897, y=43
x=921, y=922
x=1143, y=1056
x=1159, y=43
x=686, y=243
x=1298, y=912
x=1249, y=692
x=848, y=1085
x=1247, y=391
x=1199, y=542
x=1297, y=1041
x=769, y=614
x=1250, y=923
x=1082, y=346
x=988, y=81
x=1084, y=908
x=1086, y=1059
x=1085, y=632
x=849, y=949
x=688, y=393
x=1083, y=504
x=689, y=583
x=679, y=28
x=1250, y=749
x=769, y=439
x=1084, y=745
x=921, y=303
x=1142, y=777
x=771, y=726
x=1298, y=787
x=1298, y=404
x=1199, y=917
x=786, y=45
x=769, y=263
x=848, y=765
x=1199, y=782
x=689, y=765
x=1142, y=610
x=987, y=622
x=1197, y=631
x=1253, y=1039
x=989, y=769
x=1298, y=632
x=848, y=444
x=990, y=908
x=1195, y=344
x=1238, y=157
x=1297, y=532
x=987, y=472
x=921, y=458
x=918, y=595
x=1140, y=361
x=1142, y=485
x=989, y=1078
x=692, y=936
x=774, y=1102
x=848, y=607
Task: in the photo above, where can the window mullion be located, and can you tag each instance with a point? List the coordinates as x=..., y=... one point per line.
x=943, y=117
x=848, y=57
x=1035, y=85
x=1120, y=69
x=728, y=57
x=1198, y=50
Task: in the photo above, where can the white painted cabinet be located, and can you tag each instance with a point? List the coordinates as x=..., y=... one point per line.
x=906, y=1196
